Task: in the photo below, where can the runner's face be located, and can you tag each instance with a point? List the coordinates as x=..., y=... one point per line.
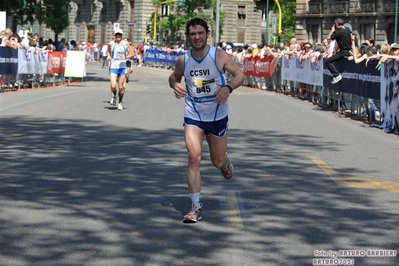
x=118, y=37
x=198, y=37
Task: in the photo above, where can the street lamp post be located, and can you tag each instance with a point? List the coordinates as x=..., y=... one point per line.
x=396, y=22
x=23, y=17
x=280, y=19
x=217, y=23
x=267, y=22
x=138, y=36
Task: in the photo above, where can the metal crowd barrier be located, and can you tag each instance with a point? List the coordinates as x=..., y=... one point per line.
x=349, y=104
x=344, y=103
x=10, y=82
x=156, y=58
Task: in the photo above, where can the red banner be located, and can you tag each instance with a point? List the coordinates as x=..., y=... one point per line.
x=257, y=67
x=56, y=62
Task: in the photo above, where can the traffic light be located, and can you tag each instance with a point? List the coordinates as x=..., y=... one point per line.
x=148, y=31
x=157, y=38
x=279, y=38
x=181, y=3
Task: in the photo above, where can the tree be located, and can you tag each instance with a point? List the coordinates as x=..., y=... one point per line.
x=288, y=8
x=23, y=11
x=54, y=14
x=175, y=22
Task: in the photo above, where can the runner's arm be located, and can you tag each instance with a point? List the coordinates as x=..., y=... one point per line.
x=109, y=57
x=230, y=66
x=176, y=77
x=130, y=52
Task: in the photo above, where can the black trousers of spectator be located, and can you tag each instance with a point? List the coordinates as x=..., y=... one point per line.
x=334, y=58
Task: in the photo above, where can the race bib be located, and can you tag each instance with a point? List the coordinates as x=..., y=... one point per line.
x=203, y=88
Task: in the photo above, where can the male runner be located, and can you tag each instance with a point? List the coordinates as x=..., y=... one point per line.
x=206, y=109
x=118, y=51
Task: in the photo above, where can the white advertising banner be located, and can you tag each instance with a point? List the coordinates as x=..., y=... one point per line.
x=75, y=65
x=28, y=62
x=305, y=72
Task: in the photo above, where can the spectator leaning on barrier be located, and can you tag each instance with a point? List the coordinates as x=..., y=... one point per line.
x=33, y=46
x=361, y=54
x=370, y=42
x=265, y=51
x=255, y=49
x=317, y=52
x=307, y=50
x=385, y=49
x=8, y=40
x=343, y=38
x=290, y=51
x=393, y=53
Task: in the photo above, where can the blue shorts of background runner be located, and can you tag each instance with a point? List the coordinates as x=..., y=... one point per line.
x=118, y=71
x=217, y=128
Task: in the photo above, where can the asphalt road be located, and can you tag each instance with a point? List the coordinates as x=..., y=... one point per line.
x=82, y=183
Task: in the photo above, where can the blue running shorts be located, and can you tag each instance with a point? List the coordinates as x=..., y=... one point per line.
x=118, y=71
x=217, y=128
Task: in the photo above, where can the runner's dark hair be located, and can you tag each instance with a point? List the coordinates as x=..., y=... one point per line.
x=196, y=22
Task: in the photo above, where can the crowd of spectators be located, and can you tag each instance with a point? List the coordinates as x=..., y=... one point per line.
x=37, y=44
x=363, y=51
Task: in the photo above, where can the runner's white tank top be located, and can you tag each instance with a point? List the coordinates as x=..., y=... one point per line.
x=117, y=51
x=203, y=78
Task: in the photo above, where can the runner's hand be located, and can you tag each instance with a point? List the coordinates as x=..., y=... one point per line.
x=222, y=94
x=180, y=91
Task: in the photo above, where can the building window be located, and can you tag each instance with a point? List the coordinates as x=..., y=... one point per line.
x=117, y=10
x=103, y=15
x=366, y=31
x=242, y=14
x=131, y=10
x=91, y=11
x=264, y=14
x=79, y=13
x=315, y=7
x=338, y=6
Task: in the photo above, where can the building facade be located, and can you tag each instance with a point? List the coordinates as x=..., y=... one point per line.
x=245, y=20
x=369, y=19
x=94, y=20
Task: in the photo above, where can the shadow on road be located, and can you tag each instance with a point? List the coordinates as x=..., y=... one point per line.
x=73, y=190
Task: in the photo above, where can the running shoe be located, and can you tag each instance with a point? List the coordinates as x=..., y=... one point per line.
x=194, y=215
x=113, y=101
x=227, y=170
x=120, y=108
x=336, y=79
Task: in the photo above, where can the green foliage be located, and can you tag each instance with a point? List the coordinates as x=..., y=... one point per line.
x=22, y=12
x=51, y=12
x=176, y=21
x=288, y=8
x=54, y=14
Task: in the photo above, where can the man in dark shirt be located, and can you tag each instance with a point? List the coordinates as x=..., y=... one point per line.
x=342, y=36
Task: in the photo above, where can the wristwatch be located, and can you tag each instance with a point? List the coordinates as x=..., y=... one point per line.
x=230, y=88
